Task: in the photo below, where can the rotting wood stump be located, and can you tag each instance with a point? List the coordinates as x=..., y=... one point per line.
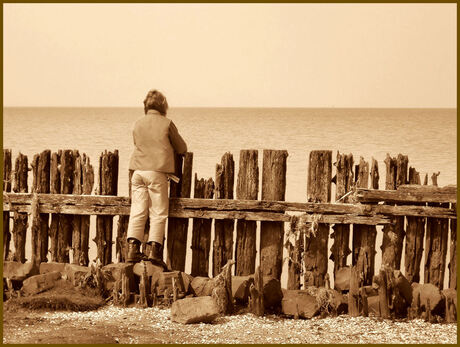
x=318, y=190
x=247, y=189
x=272, y=233
x=223, y=229
x=201, y=232
x=178, y=227
x=341, y=235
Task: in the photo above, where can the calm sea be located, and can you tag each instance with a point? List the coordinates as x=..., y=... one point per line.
x=427, y=136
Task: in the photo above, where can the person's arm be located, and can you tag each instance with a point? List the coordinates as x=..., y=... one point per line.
x=177, y=141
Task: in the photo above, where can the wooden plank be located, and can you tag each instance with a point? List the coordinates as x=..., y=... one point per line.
x=178, y=227
x=318, y=190
x=108, y=185
x=407, y=194
x=20, y=218
x=272, y=233
x=201, y=232
x=247, y=189
x=223, y=229
x=364, y=236
x=6, y=215
x=341, y=233
x=415, y=232
x=184, y=207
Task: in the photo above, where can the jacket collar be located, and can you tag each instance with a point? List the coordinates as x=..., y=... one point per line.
x=153, y=112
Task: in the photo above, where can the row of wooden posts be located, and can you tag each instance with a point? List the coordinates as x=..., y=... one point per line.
x=53, y=235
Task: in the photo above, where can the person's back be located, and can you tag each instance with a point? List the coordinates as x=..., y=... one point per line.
x=155, y=140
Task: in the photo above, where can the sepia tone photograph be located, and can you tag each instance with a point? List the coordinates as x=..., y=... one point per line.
x=221, y=173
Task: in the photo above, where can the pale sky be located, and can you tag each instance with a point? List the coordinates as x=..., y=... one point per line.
x=231, y=55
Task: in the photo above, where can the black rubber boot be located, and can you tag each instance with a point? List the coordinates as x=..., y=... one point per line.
x=156, y=255
x=134, y=252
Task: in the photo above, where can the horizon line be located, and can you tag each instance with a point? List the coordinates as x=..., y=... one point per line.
x=285, y=107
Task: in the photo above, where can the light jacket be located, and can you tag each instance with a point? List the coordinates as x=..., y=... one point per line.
x=155, y=140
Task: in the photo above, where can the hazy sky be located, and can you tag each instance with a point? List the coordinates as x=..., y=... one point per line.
x=285, y=55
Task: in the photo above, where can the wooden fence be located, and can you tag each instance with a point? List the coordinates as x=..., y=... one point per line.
x=420, y=217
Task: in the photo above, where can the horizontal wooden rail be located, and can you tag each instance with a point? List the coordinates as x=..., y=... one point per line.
x=407, y=194
x=224, y=208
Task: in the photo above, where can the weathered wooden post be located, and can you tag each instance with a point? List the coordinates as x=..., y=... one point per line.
x=55, y=188
x=272, y=233
x=256, y=293
x=393, y=234
x=41, y=184
x=353, y=293
x=295, y=256
x=83, y=184
x=223, y=229
x=65, y=221
x=318, y=190
x=20, y=219
x=201, y=232
x=364, y=236
x=247, y=189
x=453, y=252
x=108, y=185
x=87, y=187
x=121, y=246
x=178, y=227
x=341, y=233
x=381, y=280
x=415, y=232
x=6, y=215
x=437, y=231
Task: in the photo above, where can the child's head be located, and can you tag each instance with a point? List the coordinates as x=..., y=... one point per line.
x=155, y=101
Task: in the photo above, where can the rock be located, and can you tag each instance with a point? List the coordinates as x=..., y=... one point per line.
x=450, y=296
x=17, y=271
x=342, y=279
x=187, y=281
x=201, y=309
x=74, y=272
x=202, y=286
x=52, y=267
x=112, y=273
x=299, y=303
x=427, y=291
x=240, y=288
x=403, y=286
x=39, y=283
x=373, y=305
x=152, y=270
x=164, y=282
x=272, y=292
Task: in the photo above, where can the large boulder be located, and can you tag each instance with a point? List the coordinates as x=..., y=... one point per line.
x=428, y=292
x=240, y=288
x=272, y=292
x=39, y=283
x=202, y=286
x=403, y=286
x=342, y=279
x=112, y=273
x=299, y=303
x=152, y=269
x=52, y=267
x=74, y=272
x=201, y=309
x=17, y=271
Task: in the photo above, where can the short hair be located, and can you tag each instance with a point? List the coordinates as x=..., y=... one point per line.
x=155, y=101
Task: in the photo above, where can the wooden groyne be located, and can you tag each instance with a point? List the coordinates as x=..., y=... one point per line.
x=61, y=199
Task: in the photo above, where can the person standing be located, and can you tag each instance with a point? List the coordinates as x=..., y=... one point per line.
x=156, y=138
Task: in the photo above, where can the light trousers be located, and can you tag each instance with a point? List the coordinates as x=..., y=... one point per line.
x=149, y=198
